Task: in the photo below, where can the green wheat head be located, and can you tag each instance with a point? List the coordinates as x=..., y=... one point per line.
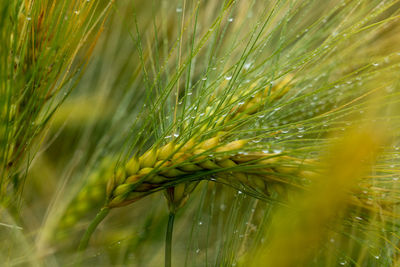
x=42, y=55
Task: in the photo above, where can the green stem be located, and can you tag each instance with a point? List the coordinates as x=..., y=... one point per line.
x=168, y=239
x=93, y=225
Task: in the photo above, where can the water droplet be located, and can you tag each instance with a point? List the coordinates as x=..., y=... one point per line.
x=198, y=251
x=28, y=18
x=178, y=10
x=230, y=19
x=76, y=12
x=200, y=223
x=228, y=78
x=375, y=64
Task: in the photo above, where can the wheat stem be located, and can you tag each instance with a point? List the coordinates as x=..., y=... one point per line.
x=168, y=239
x=92, y=227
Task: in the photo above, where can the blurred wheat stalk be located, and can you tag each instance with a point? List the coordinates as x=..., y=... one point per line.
x=299, y=230
x=45, y=46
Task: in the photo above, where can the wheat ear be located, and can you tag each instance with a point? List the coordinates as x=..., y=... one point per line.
x=89, y=198
x=176, y=197
x=171, y=155
x=176, y=166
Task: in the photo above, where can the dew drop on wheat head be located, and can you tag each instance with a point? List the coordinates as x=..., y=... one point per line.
x=222, y=207
x=247, y=66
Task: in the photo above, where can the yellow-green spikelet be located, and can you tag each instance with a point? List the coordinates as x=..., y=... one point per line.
x=171, y=163
x=177, y=165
